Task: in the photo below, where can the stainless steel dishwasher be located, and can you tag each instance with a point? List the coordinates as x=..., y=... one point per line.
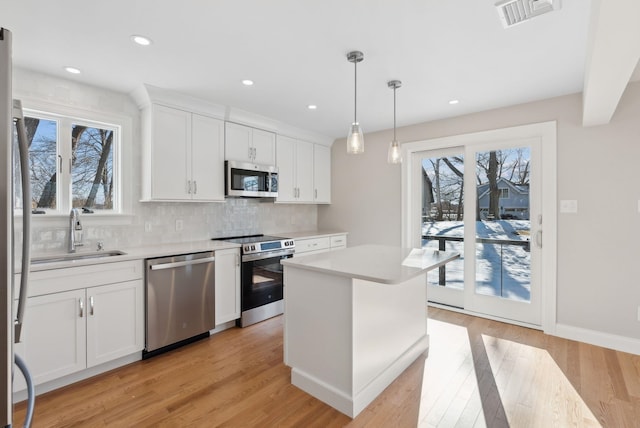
x=180, y=300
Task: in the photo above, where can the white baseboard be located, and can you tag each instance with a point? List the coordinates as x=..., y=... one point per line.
x=606, y=340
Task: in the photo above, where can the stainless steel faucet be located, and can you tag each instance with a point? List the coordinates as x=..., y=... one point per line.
x=75, y=230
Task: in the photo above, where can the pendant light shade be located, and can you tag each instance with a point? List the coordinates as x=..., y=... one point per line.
x=355, y=139
x=395, y=155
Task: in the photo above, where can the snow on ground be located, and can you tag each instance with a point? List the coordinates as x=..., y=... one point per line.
x=501, y=269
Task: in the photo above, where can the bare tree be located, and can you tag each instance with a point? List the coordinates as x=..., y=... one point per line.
x=101, y=176
x=494, y=192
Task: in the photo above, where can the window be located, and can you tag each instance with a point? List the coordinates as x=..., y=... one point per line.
x=504, y=193
x=74, y=163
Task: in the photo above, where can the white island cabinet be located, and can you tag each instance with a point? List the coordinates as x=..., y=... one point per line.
x=355, y=319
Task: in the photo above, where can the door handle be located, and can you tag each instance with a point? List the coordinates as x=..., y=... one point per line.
x=91, y=305
x=81, y=302
x=181, y=264
x=539, y=239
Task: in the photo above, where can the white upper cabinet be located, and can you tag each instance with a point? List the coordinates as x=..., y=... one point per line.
x=169, y=153
x=304, y=171
x=321, y=174
x=295, y=170
x=246, y=144
x=184, y=155
x=207, y=158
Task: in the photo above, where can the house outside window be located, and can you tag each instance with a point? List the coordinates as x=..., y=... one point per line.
x=73, y=162
x=504, y=193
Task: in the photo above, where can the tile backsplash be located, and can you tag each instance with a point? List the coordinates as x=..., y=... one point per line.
x=155, y=223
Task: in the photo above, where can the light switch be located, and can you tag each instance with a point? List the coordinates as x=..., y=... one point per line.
x=569, y=206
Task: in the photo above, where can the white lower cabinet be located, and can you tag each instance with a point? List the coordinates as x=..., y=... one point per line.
x=53, y=337
x=65, y=332
x=320, y=244
x=115, y=321
x=227, y=285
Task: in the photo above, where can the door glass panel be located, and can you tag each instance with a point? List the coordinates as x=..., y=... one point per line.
x=503, y=257
x=443, y=215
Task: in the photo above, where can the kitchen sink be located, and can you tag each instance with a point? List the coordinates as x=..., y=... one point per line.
x=76, y=256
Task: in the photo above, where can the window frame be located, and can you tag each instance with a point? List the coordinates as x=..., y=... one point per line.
x=504, y=193
x=122, y=154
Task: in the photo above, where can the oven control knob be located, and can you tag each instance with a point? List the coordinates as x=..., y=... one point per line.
x=253, y=248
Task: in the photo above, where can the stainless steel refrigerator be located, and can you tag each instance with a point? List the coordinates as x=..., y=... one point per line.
x=12, y=123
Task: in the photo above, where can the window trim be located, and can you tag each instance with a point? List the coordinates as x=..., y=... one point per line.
x=123, y=154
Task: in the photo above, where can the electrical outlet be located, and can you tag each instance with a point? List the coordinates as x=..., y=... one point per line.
x=179, y=225
x=569, y=206
x=147, y=226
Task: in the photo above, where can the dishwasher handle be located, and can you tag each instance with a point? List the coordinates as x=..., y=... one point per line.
x=181, y=264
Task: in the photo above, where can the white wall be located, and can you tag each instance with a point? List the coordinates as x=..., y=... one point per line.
x=201, y=220
x=598, y=270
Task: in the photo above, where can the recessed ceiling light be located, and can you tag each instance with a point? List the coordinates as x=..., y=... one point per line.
x=453, y=102
x=312, y=106
x=141, y=40
x=72, y=70
x=247, y=82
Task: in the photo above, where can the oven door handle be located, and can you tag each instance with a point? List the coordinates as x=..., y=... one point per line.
x=181, y=264
x=267, y=255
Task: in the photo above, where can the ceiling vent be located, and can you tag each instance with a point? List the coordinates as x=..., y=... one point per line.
x=514, y=12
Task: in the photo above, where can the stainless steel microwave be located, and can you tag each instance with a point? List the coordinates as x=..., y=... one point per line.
x=243, y=179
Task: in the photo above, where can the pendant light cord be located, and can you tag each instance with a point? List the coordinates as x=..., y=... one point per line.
x=355, y=92
x=394, y=113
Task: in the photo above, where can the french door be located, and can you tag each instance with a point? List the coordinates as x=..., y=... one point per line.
x=482, y=199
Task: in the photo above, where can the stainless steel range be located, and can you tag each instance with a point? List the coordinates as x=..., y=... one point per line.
x=262, y=281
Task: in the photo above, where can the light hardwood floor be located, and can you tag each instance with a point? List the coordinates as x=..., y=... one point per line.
x=478, y=373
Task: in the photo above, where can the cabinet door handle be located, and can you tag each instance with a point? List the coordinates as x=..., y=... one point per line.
x=188, y=188
x=60, y=163
x=91, y=305
x=195, y=187
x=81, y=303
x=237, y=260
x=315, y=195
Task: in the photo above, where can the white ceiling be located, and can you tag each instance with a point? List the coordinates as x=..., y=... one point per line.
x=295, y=51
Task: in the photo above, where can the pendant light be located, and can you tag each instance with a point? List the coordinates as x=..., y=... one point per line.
x=394, y=156
x=355, y=140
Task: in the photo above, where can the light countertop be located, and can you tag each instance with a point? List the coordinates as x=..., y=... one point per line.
x=135, y=253
x=311, y=234
x=376, y=263
x=159, y=250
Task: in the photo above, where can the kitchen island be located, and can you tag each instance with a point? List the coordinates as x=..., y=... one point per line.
x=355, y=319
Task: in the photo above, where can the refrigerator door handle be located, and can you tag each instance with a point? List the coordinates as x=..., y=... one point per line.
x=23, y=146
